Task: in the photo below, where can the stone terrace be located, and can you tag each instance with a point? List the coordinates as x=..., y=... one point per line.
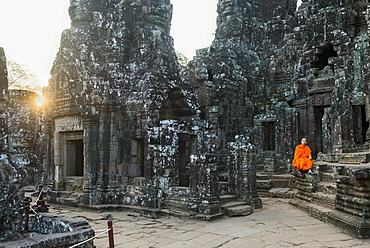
x=277, y=224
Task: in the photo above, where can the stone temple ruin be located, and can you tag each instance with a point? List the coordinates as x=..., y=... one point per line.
x=127, y=127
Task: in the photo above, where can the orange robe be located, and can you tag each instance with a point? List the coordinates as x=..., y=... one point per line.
x=302, y=157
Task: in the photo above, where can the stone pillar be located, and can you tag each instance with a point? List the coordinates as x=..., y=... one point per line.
x=242, y=159
x=101, y=176
x=248, y=180
x=204, y=185
x=353, y=195
x=58, y=162
x=303, y=127
x=353, y=200
x=90, y=160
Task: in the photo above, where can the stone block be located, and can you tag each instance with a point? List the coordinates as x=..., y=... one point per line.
x=239, y=211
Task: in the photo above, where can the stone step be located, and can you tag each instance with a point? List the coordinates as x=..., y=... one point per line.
x=227, y=198
x=67, y=197
x=354, y=158
x=181, y=213
x=263, y=183
x=282, y=181
x=233, y=204
x=263, y=176
x=328, y=177
x=327, y=187
x=238, y=211
x=321, y=166
x=65, y=194
x=347, y=222
x=67, y=201
x=286, y=176
x=324, y=199
x=263, y=192
x=282, y=193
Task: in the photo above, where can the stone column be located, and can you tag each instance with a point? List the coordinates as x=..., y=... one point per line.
x=204, y=185
x=58, y=163
x=353, y=200
x=248, y=180
x=90, y=160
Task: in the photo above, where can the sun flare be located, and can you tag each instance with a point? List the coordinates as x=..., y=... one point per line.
x=39, y=100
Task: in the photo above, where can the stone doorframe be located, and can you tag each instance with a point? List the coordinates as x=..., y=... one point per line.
x=67, y=131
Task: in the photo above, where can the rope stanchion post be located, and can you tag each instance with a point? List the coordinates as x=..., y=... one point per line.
x=110, y=234
x=27, y=207
x=41, y=206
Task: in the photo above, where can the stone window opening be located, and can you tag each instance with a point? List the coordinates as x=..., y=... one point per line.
x=322, y=59
x=268, y=136
x=360, y=125
x=136, y=168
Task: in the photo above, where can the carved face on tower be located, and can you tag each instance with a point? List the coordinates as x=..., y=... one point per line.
x=79, y=11
x=229, y=19
x=227, y=9
x=158, y=14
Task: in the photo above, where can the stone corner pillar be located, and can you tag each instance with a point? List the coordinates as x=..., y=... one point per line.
x=353, y=200
x=204, y=184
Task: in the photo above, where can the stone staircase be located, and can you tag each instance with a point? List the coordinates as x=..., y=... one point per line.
x=67, y=197
x=232, y=206
x=72, y=190
x=339, y=192
x=270, y=184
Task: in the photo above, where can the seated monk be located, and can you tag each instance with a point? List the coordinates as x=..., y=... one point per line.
x=302, y=158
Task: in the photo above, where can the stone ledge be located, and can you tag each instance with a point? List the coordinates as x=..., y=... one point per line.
x=282, y=193
x=350, y=224
x=68, y=231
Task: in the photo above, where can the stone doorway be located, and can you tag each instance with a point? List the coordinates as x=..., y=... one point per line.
x=318, y=145
x=360, y=125
x=73, y=158
x=186, y=148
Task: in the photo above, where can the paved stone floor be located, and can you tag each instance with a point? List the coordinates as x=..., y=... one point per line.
x=277, y=224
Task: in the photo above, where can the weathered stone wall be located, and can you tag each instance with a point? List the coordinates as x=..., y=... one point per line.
x=3, y=98
x=331, y=71
x=21, y=152
x=11, y=174
x=246, y=72
x=26, y=139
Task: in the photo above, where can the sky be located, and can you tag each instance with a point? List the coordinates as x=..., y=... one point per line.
x=30, y=30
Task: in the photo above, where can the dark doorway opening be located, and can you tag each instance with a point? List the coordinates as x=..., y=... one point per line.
x=187, y=146
x=319, y=137
x=360, y=125
x=323, y=57
x=268, y=136
x=74, y=158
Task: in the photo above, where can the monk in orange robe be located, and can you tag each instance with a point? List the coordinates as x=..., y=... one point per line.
x=302, y=158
